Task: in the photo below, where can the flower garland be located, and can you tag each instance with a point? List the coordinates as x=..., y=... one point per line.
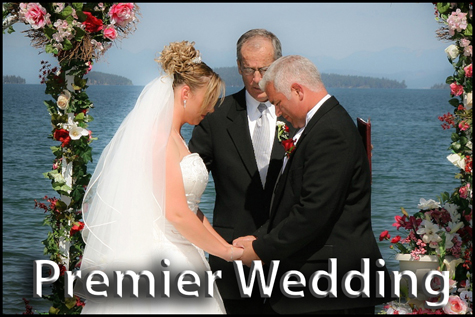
x=77, y=34
x=444, y=228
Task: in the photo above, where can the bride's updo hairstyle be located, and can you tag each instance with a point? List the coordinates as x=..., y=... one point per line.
x=182, y=61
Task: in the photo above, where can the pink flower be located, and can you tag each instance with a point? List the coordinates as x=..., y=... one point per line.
x=463, y=191
x=455, y=89
x=110, y=32
x=122, y=13
x=455, y=306
x=464, y=125
x=400, y=222
x=35, y=15
x=468, y=70
x=467, y=51
x=457, y=21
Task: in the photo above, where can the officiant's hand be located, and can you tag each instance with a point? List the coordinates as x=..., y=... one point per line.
x=248, y=255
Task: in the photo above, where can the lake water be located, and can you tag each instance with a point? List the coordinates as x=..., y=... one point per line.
x=409, y=162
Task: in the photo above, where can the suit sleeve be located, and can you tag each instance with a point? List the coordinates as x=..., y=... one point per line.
x=317, y=187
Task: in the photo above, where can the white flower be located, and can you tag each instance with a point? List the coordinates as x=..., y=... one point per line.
x=452, y=51
x=428, y=204
x=467, y=100
x=469, y=144
x=399, y=308
x=457, y=160
x=452, y=209
x=63, y=100
x=77, y=132
x=429, y=232
x=280, y=124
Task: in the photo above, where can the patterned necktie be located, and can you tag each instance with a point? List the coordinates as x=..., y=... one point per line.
x=261, y=143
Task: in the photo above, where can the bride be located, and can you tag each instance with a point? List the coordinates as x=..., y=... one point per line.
x=141, y=207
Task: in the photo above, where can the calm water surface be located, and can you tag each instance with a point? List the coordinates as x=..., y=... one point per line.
x=409, y=163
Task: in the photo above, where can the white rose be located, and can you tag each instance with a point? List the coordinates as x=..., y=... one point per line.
x=63, y=100
x=452, y=51
x=457, y=160
x=76, y=132
x=467, y=100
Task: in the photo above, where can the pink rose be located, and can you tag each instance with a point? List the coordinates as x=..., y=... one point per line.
x=35, y=15
x=455, y=89
x=110, y=33
x=468, y=70
x=455, y=306
x=464, y=191
x=122, y=13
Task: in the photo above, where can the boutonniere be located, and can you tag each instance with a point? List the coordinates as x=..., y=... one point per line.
x=283, y=136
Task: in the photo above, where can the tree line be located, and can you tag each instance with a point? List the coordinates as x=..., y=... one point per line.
x=12, y=79
x=232, y=78
x=98, y=78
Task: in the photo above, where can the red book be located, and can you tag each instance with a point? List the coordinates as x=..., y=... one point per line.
x=364, y=127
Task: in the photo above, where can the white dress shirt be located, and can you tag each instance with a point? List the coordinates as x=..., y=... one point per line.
x=253, y=114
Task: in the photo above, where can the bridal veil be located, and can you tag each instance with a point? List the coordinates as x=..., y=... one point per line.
x=123, y=207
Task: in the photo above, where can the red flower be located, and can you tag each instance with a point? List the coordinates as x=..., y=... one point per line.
x=63, y=136
x=384, y=235
x=79, y=302
x=77, y=226
x=400, y=222
x=92, y=23
x=396, y=239
x=289, y=146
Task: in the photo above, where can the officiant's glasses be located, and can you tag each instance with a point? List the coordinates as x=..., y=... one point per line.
x=250, y=71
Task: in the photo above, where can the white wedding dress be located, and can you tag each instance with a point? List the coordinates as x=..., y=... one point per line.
x=182, y=255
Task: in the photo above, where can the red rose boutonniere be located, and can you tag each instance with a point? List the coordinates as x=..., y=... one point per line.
x=283, y=136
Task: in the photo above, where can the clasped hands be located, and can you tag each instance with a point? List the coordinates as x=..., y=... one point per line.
x=245, y=244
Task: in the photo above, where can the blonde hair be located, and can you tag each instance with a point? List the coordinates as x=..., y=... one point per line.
x=182, y=61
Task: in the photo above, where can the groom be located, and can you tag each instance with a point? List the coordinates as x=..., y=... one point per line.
x=321, y=207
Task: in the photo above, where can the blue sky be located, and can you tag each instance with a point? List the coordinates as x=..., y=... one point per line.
x=391, y=40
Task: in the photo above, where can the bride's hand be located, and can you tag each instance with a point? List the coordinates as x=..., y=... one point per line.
x=235, y=253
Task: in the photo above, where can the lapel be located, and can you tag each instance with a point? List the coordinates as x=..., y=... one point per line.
x=238, y=126
x=282, y=180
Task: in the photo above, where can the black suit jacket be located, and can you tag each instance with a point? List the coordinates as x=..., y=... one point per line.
x=321, y=210
x=223, y=141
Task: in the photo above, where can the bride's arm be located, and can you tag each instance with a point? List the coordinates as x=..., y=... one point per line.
x=183, y=219
x=210, y=228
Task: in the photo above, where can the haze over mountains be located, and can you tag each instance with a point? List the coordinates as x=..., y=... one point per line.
x=419, y=70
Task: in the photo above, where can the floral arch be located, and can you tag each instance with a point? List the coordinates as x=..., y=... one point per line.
x=78, y=34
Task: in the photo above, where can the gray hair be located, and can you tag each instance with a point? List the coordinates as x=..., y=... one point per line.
x=259, y=33
x=292, y=69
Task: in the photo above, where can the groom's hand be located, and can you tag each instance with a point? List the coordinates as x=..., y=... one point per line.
x=239, y=241
x=248, y=255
